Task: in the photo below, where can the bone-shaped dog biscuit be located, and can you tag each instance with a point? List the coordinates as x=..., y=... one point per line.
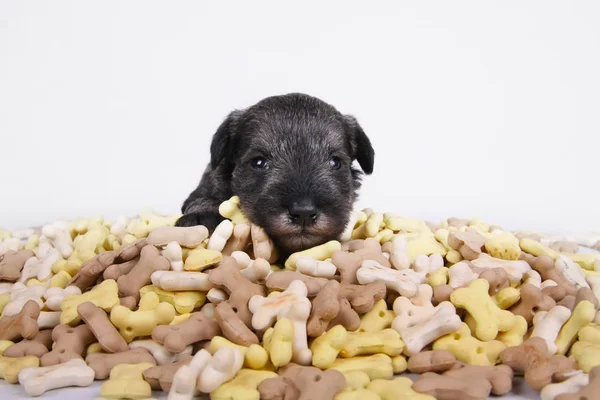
x=190, y=236
x=105, y=296
x=152, y=312
x=489, y=318
x=38, y=380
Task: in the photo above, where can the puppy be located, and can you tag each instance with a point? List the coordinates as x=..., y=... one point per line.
x=289, y=159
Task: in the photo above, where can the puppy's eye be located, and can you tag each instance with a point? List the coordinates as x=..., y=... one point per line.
x=335, y=162
x=260, y=163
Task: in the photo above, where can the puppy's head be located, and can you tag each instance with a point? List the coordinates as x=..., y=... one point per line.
x=290, y=160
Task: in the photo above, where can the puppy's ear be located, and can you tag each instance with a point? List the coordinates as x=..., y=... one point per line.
x=361, y=145
x=222, y=146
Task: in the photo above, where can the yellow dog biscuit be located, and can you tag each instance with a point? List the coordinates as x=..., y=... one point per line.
x=105, y=296
x=127, y=382
x=489, y=318
x=468, y=349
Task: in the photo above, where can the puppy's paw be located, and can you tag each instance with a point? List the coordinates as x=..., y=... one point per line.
x=209, y=220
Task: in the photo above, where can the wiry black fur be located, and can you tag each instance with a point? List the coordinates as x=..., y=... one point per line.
x=298, y=135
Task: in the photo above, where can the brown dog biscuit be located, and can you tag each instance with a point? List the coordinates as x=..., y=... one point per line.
x=102, y=363
x=38, y=346
x=469, y=244
x=496, y=277
x=23, y=325
x=130, y=251
x=116, y=270
x=130, y=302
x=262, y=245
x=431, y=361
x=363, y=297
x=445, y=387
x=442, y=293
x=239, y=240
x=532, y=358
x=150, y=261
x=175, y=338
x=232, y=326
x=227, y=277
x=532, y=300
x=325, y=307
x=586, y=294
x=347, y=317
x=555, y=292
x=296, y=382
x=92, y=269
x=281, y=280
x=546, y=267
x=161, y=376
x=567, y=302
x=69, y=343
x=499, y=376
x=106, y=333
x=347, y=263
x=11, y=264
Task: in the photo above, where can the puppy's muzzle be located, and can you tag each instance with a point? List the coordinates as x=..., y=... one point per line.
x=303, y=212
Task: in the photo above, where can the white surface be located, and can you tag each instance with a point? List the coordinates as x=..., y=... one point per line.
x=520, y=392
x=107, y=107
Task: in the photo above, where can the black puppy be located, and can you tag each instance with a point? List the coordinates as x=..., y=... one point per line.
x=289, y=159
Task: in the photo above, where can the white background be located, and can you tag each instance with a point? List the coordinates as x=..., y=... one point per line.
x=475, y=108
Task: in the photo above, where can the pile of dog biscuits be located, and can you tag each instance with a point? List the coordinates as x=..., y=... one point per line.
x=143, y=305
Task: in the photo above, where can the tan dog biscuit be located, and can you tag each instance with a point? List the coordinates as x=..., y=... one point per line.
x=586, y=294
x=444, y=387
x=131, y=251
x=23, y=325
x=102, y=363
x=325, y=307
x=305, y=382
x=363, y=297
x=280, y=281
x=499, y=376
x=37, y=347
x=239, y=239
x=496, y=277
x=563, y=246
x=100, y=325
x=69, y=343
x=116, y=270
x=227, y=277
x=532, y=301
x=130, y=302
x=469, y=243
x=431, y=361
x=150, y=261
x=368, y=253
x=11, y=264
x=442, y=293
x=233, y=327
x=539, y=367
x=189, y=236
x=161, y=377
x=196, y=328
x=262, y=245
x=347, y=317
x=568, y=302
x=347, y=263
x=92, y=269
x=546, y=268
x=555, y=292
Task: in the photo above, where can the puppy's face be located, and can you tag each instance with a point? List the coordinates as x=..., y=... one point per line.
x=290, y=161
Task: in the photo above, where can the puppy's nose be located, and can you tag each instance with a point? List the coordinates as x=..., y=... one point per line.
x=303, y=212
